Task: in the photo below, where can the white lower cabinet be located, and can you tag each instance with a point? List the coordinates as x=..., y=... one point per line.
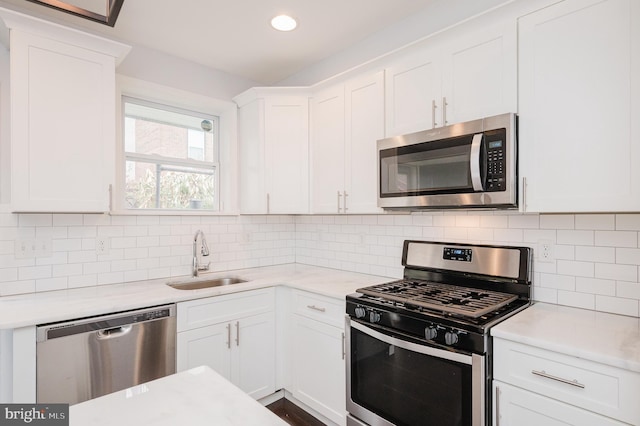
x=233, y=334
x=317, y=354
x=518, y=407
x=534, y=386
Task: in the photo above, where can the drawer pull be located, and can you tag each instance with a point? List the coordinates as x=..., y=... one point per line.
x=315, y=308
x=558, y=379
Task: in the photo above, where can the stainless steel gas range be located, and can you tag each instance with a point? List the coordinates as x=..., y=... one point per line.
x=419, y=349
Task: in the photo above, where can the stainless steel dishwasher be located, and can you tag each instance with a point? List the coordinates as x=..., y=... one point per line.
x=90, y=357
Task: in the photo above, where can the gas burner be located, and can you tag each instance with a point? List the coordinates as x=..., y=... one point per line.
x=446, y=298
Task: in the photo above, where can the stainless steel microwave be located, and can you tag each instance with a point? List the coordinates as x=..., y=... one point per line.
x=465, y=165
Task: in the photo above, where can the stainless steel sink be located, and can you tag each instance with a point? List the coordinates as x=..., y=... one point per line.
x=196, y=284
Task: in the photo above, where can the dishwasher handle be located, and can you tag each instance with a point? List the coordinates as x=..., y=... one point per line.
x=106, y=325
x=113, y=333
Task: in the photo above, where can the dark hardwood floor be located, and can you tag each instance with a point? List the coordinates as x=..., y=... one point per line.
x=292, y=414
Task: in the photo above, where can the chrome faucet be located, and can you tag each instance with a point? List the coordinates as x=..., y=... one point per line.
x=204, y=251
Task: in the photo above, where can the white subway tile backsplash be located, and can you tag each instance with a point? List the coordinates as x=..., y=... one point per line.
x=617, y=305
x=595, y=254
x=582, y=238
x=35, y=220
x=628, y=290
x=34, y=272
x=596, y=266
x=560, y=282
x=628, y=256
x=616, y=238
x=525, y=221
x=542, y=294
x=557, y=221
x=596, y=221
x=616, y=272
x=596, y=286
x=17, y=287
x=628, y=222
x=49, y=284
x=577, y=300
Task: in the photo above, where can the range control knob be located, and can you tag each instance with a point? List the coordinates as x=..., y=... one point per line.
x=374, y=316
x=430, y=333
x=360, y=312
x=451, y=338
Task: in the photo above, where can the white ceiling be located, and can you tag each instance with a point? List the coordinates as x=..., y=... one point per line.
x=235, y=36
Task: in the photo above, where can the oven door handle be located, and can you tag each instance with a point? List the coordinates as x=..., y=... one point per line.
x=410, y=346
x=474, y=162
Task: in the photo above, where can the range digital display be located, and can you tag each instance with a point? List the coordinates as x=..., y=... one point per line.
x=456, y=253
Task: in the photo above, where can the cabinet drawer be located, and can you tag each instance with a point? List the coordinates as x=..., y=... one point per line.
x=516, y=407
x=596, y=387
x=213, y=310
x=321, y=308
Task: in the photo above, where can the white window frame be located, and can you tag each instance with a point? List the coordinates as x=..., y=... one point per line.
x=172, y=97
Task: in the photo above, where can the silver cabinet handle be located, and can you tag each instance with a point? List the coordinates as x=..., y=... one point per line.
x=339, y=195
x=433, y=114
x=228, y=336
x=110, y=198
x=344, y=350
x=315, y=308
x=268, y=203
x=546, y=375
x=444, y=111
x=524, y=194
x=345, y=201
x=497, y=406
x=237, y=333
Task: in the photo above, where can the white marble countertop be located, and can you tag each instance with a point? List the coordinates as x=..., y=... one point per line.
x=39, y=308
x=195, y=397
x=597, y=336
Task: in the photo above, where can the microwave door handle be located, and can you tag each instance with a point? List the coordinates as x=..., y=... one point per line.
x=474, y=162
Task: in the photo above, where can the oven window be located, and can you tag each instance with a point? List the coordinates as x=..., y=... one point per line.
x=408, y=388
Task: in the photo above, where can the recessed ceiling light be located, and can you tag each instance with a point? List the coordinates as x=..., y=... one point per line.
x=284, y=23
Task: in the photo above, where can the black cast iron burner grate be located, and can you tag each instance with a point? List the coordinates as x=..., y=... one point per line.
x=465, y=301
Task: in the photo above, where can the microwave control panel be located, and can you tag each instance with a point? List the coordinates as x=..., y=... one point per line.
x=496, y=160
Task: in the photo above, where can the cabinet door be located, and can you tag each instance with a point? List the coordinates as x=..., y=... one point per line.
x=327, y=150
x=63, y=126
x=517, y=407
x=479, y=74
x=364, y=126
x=413, y=93
x=579, y=107
x=286, y=130
x=254, y=362
x=253, y=189
x=209, y=346
x=318, y=367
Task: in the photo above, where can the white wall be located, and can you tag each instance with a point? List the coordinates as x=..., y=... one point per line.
x=438, y=15
x=157, y=67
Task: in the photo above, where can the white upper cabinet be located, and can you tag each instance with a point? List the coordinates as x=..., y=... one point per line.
x=467, y=73
x=62, y=116
x=274, y=151
x=479, y=71
x=347, y=120
x=413, y=93
x=579, y=88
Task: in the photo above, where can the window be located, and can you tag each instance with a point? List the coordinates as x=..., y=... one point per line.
x=171, y=157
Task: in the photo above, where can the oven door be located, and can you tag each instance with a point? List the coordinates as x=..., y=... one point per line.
x=395, y=381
